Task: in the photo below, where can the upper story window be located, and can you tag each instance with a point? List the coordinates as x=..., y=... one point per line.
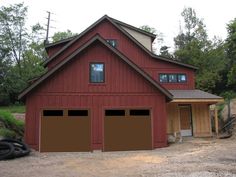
x=97, y=71
x=112, y=42
x=172, y=78
x=163, y=78
x=182, y=78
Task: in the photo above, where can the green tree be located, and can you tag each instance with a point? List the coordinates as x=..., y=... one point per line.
x=21, y=51
x=231, y=53
x=194, y=47
x=62, y=35
x=164, y=52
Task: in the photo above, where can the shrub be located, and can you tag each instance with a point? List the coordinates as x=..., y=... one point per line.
x=12, y=124
x=6, y=133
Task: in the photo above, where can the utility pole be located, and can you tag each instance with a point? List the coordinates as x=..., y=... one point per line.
x=48, y=26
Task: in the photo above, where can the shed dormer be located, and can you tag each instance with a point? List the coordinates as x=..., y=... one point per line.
x=143, y=37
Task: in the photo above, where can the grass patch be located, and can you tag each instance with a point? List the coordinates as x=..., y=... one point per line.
x=13, y=108
x=10, y=126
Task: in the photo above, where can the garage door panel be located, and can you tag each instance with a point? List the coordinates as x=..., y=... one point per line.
x=65, y=134
x=127, y=133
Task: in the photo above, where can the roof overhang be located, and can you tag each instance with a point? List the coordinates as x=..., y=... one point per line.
x=208, y=101
x=194, y=96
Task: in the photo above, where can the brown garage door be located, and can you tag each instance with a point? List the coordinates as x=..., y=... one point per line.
x=65, y=130
x=127, y=130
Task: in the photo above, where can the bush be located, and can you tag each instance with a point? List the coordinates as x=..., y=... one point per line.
x=6, y=133
x=10, y=123
x=14, y=108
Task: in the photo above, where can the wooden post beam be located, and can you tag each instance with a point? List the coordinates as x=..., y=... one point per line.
x=216, y=121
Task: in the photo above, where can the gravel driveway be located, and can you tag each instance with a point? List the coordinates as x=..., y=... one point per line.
x=194, y=157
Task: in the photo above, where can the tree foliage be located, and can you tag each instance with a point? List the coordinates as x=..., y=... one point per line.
x=21, y=51
x=62, y=35
x=194, y=47
x=231, y=53
x=164, y=52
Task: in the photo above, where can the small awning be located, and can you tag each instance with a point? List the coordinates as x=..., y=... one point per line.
x=194, y=96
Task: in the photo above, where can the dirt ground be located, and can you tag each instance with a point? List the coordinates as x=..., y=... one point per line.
x=194, y=157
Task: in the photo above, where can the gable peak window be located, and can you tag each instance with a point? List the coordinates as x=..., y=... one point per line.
x=112, y=42
x=97, y=72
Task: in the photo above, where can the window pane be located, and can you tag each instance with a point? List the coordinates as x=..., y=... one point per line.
x=53, y=113
x=163, y=78
x=115, y=112
x=97, y=72
x=77, y=112
x=172, y=78
x=139, y=112
x=112, y=42
x=182, y=78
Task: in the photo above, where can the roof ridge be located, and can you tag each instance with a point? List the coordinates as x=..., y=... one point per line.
x=111, y=20
x=73, y=40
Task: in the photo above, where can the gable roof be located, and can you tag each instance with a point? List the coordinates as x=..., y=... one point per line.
x=82, y=48
x=117, y=24
x=47, y=45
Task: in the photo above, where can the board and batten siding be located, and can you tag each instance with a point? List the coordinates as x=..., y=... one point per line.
x=173, y=120
x=200, y=119
x=70, y=88
x=151, y=65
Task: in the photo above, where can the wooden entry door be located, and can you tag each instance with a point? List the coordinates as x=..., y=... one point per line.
x=185, y=120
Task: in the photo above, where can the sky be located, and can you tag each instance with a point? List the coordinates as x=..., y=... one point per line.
x=163, y=15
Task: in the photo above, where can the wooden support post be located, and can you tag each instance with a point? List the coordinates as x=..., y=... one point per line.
x=216, y=121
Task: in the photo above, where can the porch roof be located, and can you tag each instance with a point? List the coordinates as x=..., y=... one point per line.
x=194, y=96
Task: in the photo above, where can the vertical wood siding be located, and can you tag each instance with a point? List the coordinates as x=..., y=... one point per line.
x=173, y=118
x=201, y=120
x=134, y=53
x=70, y=88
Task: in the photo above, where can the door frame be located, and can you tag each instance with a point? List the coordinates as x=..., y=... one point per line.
x=191, y=117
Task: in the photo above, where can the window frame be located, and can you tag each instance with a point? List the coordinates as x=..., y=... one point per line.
x=177, y=78
x=90, y=72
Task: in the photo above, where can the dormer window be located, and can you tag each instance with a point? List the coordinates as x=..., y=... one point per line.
x=112, y=42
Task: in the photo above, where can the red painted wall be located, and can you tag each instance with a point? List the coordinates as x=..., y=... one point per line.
x=70, y=88
x=53, y=49
x=133, y=52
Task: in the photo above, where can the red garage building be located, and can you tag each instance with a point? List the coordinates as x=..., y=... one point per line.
x=105, y=89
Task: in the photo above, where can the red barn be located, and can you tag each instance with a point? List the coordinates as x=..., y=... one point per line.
x=105, y=89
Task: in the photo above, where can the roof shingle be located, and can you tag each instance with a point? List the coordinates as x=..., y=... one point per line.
x=192, y=94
